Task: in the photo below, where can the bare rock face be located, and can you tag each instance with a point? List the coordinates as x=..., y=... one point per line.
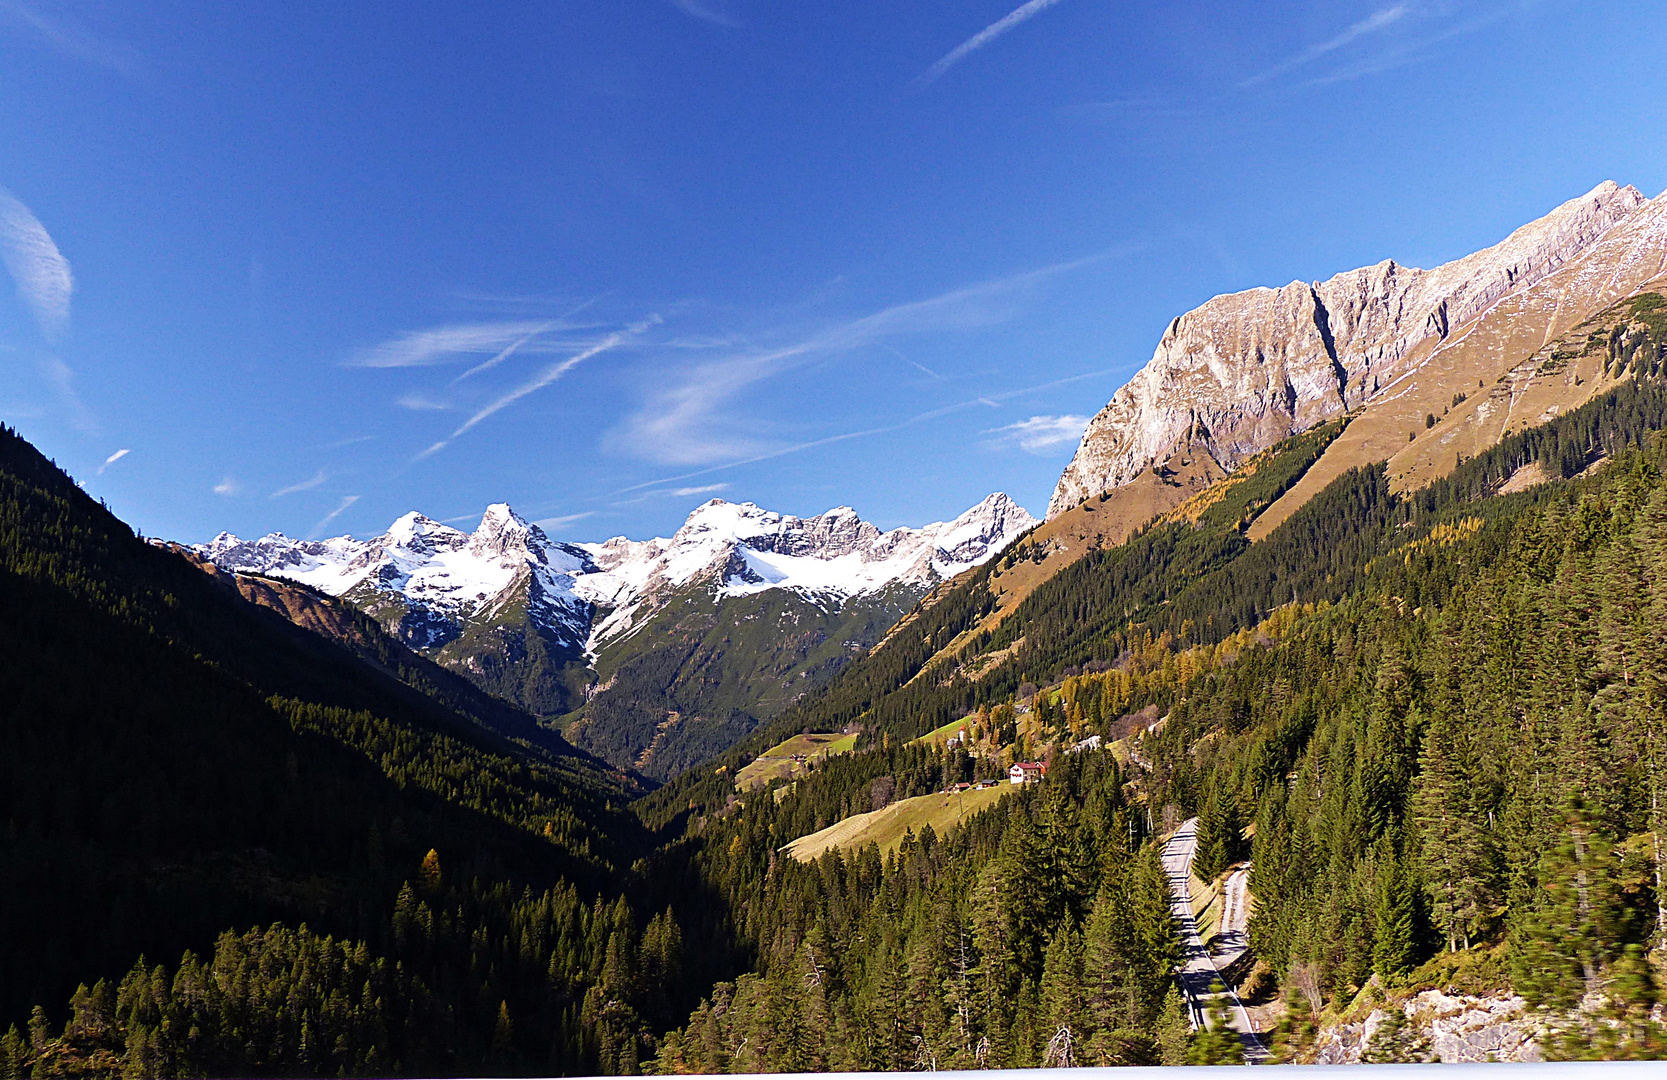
x=1248, y=369
x=1446, y=1028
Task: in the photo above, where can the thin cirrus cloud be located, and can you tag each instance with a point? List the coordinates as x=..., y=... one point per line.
x=545, y=377
x=1413, y=50
x=418, y=401
x=228, y=487
x=1039, y=434
x=564, y=520
x=685, y=422
x=1374, y=23
x=642, y=496
x=983, y=400
x=39, y=269
x=705, y=12
x=1022, y=13
x=70, y=39
x=62, y=379
x=305, y=485
x=324, y=523
x=450, y=344
x=113, y=458
x=507, y=351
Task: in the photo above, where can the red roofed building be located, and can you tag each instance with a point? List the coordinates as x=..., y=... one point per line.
x=1026, y=772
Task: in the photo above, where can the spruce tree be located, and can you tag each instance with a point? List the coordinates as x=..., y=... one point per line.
x=1220, y=834
x=1395, y=941
x=13, y=1055
x=1395, y=1041
x=1159, y=944
x=503, y=1038
x=1295, y=1031
x=1633, y=995
x=1217, y=1043
x=1563, y=941
x=1456, y=854
x=1174, y=1029
x=1063, y=1000
x=1109, y=978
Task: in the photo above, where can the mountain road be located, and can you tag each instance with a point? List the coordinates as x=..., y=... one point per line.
x=1200, y=967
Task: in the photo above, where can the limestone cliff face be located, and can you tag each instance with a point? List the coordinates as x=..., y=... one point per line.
x=1248, y=369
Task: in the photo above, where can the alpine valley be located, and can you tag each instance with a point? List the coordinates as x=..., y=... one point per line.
x=654, y=654
x=1324, y=719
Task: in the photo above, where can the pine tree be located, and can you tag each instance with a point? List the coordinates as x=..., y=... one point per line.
x=1217, y=1043
x=1563, y=941
x=1296, y=1030
x=1174, y=1029
x=1063, y=1001
x=1395, y=940
x=13, y=1055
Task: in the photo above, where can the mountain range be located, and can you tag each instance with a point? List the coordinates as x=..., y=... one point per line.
x=650, y=652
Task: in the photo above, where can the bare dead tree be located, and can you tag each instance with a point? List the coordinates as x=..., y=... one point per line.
x=1060, y=1053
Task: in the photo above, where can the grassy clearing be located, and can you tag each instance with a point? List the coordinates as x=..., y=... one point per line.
x=777, y=762
x=886, y=827
x=942, y=733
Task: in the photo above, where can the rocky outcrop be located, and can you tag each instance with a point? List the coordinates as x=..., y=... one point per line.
x=1445, y=1028
x=1248, y=369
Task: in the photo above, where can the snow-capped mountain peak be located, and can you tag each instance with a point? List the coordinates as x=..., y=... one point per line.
x=415, y=532
x=503, y=533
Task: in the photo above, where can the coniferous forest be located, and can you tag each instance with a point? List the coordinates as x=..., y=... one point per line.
x=1434, y=724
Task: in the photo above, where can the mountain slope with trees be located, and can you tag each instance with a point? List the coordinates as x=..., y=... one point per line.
x=1443, y=712
x=185, y=775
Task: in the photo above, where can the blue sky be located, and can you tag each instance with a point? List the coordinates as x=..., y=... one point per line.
x=306, y=267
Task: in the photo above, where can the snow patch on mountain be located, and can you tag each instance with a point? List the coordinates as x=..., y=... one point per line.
x=746, y=549
x=444, y=579
x=445, y=576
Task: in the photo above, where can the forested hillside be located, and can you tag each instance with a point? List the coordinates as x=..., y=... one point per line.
x=969, y=951
x=704, y=671
x=378, y=880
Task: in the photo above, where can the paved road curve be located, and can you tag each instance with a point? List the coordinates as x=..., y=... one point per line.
x=1199, y=967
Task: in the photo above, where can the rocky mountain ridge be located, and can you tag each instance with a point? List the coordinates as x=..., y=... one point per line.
x=429, y=580
x=745, y=549
x=1248, y=369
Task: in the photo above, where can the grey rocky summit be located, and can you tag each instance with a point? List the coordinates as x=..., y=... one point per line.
x=1245, y=370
